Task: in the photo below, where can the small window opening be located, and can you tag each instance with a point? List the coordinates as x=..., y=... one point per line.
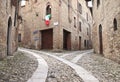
x=74, y=21
x=85, y=43
x=48, y=11
x=80, y=26
x=115, y=24
x=19, y=37
x=98, y=3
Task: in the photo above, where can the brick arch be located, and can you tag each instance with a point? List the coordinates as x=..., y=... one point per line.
x=9, y=37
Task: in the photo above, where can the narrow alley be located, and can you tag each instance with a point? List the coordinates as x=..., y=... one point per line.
x=60, y=41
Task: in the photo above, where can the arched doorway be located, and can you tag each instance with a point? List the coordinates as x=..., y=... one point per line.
x=9, y=38
x=100, y=40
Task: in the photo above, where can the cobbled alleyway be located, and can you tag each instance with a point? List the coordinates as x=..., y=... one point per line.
x=77, y=66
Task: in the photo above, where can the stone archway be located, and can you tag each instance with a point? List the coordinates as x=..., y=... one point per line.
x=9, y=37
x=100, y=40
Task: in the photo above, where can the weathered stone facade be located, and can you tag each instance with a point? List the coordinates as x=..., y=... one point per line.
x=69, y=27
x=106, y=28
x=8, y=27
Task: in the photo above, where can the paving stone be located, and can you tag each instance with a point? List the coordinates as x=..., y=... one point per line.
x=42, y=66
x=104, y=69
x=18, y=68
x=60, y=72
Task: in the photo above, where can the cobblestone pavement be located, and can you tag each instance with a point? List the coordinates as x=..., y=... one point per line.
x=102, y=68
x=68, y=55
x=60, y=72
x=72, y=55
x=18, y=68
x=59, y=53
x=21, y=67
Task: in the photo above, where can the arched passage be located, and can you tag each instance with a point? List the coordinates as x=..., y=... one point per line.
x=9, y=38
x=100, y=40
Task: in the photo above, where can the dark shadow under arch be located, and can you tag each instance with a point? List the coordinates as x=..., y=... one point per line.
x=100, y=40
x=9, y=29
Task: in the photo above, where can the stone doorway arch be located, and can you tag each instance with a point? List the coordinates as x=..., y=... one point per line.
x=100, y=40
x=9, y=37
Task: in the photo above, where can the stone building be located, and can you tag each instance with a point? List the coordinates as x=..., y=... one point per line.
x=106, y=28
x=55, y=24
x=8, y=27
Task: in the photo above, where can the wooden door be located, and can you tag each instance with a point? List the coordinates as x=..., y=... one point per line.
x=47, y=39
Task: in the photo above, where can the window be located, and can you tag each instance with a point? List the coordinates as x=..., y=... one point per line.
x=74, y=21
x=115, y=24
x=48, y=10
x=80, y=26
x=79, y=8
x=19, y=37
x=85, y=43
x=98, y=3
x=48, y=14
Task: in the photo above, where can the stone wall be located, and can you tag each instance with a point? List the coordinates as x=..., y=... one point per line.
x=33, y=15
x=104, y=14
x=7, y=10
